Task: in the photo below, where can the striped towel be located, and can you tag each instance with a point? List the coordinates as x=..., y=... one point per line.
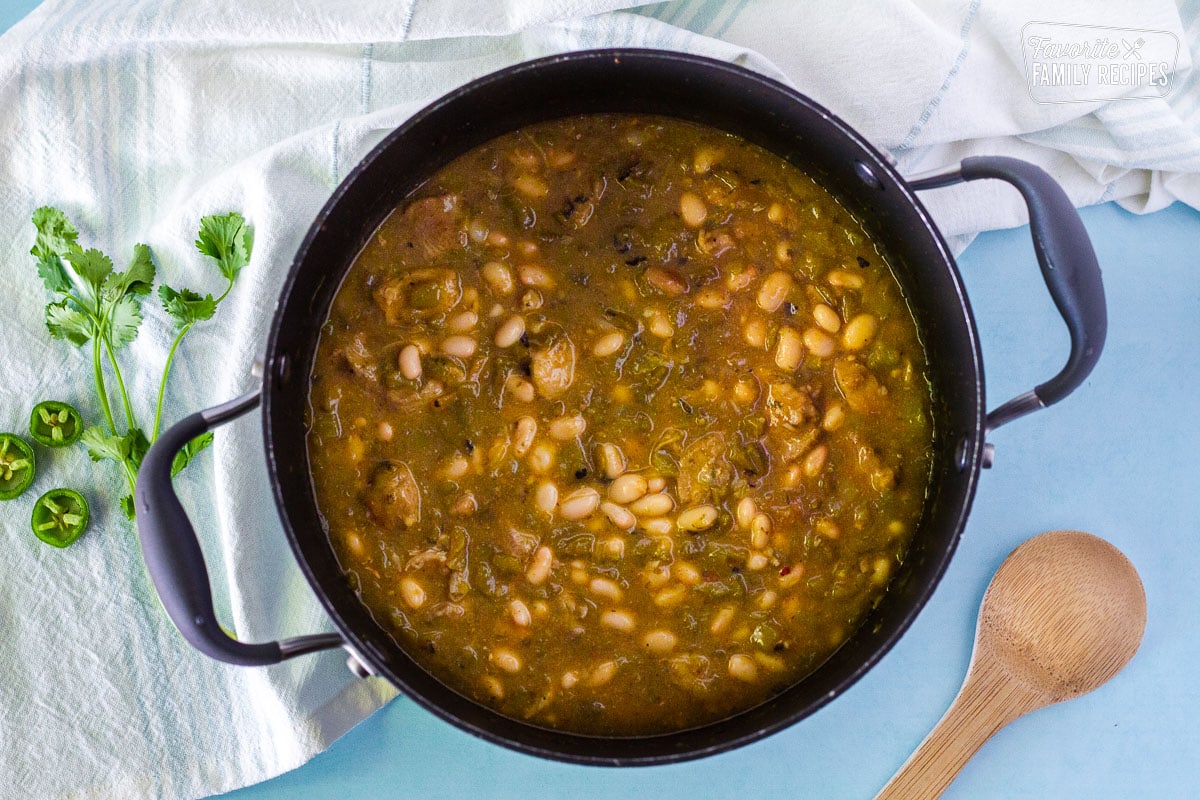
x=139, y=116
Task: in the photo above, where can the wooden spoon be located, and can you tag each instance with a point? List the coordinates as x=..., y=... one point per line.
x=1064, y=613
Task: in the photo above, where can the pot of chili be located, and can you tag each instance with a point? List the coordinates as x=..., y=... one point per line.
x=721, y=96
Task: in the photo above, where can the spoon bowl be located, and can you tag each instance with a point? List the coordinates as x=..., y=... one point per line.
x=1064, y=613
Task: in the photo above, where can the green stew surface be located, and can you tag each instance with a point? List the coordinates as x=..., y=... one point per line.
x=620, y=424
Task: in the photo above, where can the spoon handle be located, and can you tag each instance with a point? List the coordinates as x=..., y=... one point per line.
x=989, y=700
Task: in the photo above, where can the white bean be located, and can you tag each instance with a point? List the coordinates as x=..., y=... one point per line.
x=670, y=596
x=539, y=568
x=859, y=332
x=510, y=331
x=827, y=318
x=819, y=343
x=458, y=346
x=566, y=428
x=525, y=430
x=579, y=503
x=612, y=548
x=545, y=497
x=531, y=186
x=533, y=275
x=746, y=509
x=697, y=518
x=814, y=462
x=686, y=572
x=412, y=592
x=521, y=389
x=619, y=620
x=494, y=686
x=606, y=588
x=410, y=362
x=602, y=674
x=745, y=390
x=520, y=613
x=659, y=526
x=711, y=299
x=660, y=326
x=541, y=458
x=849, y=280
x=704, y=159
x=619, y=515
x=692, y=209
x=611, y=459
x=755, y=333
x=627, y=488
x=652, y=505
x=505, y=659
x=789, y=350
x=498, y=276
x=659, y=642
x=774, y=290
x=835, y=415
x=795, y=574
x=461, y=323
x=743, y=668
x=608, y=344
x=760, y=530
x=720, y=621
x=457, y=467
x=478, y=231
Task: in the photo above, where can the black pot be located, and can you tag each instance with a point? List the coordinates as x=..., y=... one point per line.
x=650, y=82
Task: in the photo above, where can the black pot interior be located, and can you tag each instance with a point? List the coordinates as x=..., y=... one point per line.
x=695, y=89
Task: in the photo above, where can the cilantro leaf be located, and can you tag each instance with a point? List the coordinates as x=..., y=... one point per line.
x=54, y=275
x=92, y=266
x=228, y=239
x=55, y=234
x=65, y=322
x=189, y=452
x=136, y=279
x=127, y=506
x=123, y=320
x=102, y=445
x=185, y=306
x=139, y=445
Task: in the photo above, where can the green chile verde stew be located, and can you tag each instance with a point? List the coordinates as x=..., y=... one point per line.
x=620, y=425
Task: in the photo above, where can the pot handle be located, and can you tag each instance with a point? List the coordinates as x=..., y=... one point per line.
x=1068, y=262
x=174, y=558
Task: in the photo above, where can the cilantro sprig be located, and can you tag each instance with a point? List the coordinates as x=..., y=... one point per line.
x=95, y=303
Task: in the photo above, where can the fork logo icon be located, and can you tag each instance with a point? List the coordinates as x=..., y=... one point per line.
x=1132, y=50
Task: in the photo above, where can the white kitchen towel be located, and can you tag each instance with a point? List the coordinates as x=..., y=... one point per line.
x=137, y=117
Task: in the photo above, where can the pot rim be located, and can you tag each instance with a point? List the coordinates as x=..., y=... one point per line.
x=971, y=444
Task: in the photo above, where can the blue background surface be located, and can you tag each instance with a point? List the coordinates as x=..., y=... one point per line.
x=1118, y=459
x=12, y=11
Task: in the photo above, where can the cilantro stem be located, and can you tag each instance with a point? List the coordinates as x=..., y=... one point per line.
x=130, y=476
x=162, y=387
x=98, y=369
x=131, y=423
